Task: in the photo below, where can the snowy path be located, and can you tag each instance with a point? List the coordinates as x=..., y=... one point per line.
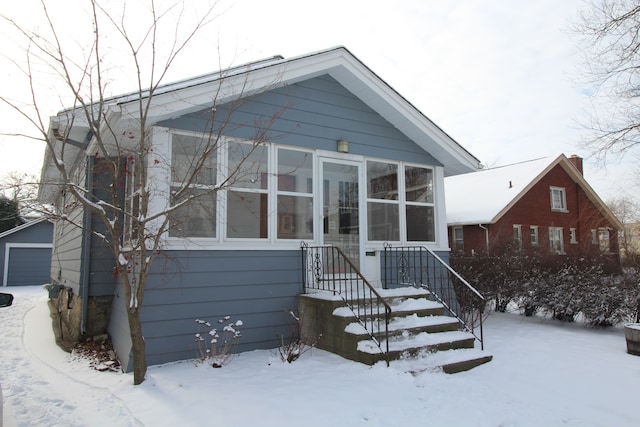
x=35, y=391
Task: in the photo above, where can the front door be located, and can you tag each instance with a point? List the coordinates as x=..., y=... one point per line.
x=341, y=207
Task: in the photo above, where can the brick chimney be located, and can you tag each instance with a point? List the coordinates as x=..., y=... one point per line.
x=577, y=162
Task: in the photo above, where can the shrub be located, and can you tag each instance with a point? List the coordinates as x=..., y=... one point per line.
x=221, y=345
x=560, y=286
x=294, y=346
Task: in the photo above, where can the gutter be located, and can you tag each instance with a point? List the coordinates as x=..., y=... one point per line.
x=85, y=256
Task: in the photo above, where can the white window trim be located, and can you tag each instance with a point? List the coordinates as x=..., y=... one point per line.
x=517, y=234
x=534, y=228
x=561, y=230
x=563, y=192
x=221, y=242
x=402, y=191
x=573, y=235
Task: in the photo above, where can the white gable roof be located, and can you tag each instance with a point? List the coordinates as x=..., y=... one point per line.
x=176, y=99
x=483, y=197
x=477, y=198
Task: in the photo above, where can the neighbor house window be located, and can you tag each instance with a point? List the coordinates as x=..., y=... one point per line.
x=517, y=236
x=247, y=196
x=193, y=176
x=295, y=194
x=383, y=205
x=604, y=240
x=556, y=243
x=573, y=237
x=458, y=238
x=533, y=235
x=558, y=199
x=419, y=209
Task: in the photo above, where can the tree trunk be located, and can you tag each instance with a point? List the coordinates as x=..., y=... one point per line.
x=137, y=345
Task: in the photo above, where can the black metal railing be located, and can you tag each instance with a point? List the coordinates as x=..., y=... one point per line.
x=419, y=266
x=327, y=268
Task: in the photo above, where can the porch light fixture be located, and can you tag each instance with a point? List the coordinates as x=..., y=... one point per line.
x=343, y=146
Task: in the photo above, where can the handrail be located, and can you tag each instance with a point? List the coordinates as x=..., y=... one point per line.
x=326, y=267
x=420, y=266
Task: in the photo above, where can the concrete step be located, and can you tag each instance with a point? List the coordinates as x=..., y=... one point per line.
x=419, y=333
x=412, y=323
x=411, y=345
x=448, y=361
x=420, y=306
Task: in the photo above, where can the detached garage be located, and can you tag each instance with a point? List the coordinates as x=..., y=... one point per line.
x=25, y=254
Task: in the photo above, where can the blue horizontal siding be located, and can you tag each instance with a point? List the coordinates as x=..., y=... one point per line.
x=257, y=287
x=312, y=114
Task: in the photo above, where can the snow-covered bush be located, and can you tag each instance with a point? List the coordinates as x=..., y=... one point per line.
x=295, y=345
x=217, y=346
x=562, y=287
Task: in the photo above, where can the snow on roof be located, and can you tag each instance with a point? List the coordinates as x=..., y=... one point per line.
x=476, y=198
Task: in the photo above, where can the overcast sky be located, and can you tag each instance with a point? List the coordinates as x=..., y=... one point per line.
x=498, y=76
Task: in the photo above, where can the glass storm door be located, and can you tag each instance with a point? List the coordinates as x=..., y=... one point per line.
x=341, y=207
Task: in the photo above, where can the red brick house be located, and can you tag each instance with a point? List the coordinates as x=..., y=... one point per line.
x=544, y=204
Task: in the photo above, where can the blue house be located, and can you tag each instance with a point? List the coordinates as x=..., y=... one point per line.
x=25, y=252
x=350, y=164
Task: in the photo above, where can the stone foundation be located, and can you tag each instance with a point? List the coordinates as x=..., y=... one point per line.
x=66, y=314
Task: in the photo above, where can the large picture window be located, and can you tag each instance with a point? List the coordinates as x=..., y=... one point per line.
x=248, y=193
x=238, y=190
x=419, y=204
x=193, y=175
x=383, y=205
x=295, y=194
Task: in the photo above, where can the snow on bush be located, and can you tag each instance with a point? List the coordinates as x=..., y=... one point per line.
x=217, y=346
x=563, y=288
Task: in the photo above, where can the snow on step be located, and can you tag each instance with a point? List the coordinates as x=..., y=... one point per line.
x=415, y=304
x=408, y=305
x=423, y=339
x=406, y=322
x=403, y=292
x=431, y=360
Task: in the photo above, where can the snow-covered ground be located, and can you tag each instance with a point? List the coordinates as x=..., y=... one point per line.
x=544, y=373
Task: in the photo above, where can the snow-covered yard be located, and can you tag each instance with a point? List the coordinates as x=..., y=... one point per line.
x=544, y=373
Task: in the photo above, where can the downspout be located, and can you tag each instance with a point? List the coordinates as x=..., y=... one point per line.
x=85, y=256
x=486, y=235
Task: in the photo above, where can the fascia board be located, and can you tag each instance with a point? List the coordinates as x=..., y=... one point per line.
x=342, y=66
x=381, y=97
x=591, y=194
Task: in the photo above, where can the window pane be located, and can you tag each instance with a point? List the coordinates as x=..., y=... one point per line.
x=557, y=198
x=295, y=171
x=383, y=221
x=295, y=217
x=246, y=215
x=382, y=181
x=248, y=165
x=186, y=151
x=197, y=218
x=420, y=224
x=419, y=184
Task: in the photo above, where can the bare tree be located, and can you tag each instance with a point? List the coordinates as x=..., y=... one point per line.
x=121, y=155
x=23, y=189
x=609, y=36
x=627, y=211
